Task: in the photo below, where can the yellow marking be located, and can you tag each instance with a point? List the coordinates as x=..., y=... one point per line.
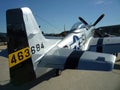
x=19, y=56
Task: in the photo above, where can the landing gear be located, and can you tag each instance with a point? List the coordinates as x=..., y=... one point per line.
x=58, y=72
x=116, y=54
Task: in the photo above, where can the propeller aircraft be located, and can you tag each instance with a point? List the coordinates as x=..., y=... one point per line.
x=30, y=54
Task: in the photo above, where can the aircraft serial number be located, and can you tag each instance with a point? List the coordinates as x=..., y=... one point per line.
x=36, y=48
x=19, y=56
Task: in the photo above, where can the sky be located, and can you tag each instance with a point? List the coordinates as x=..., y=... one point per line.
x=53, y=15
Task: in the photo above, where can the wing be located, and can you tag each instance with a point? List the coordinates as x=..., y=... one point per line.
x=71, y=59
x=105, y=45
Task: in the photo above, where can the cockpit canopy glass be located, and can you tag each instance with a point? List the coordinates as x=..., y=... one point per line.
x=77, y=25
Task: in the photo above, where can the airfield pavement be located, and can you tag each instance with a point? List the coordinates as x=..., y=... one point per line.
x=68, y=80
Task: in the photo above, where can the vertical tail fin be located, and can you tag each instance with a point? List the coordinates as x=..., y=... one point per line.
x=20, y=60
x=26, y=45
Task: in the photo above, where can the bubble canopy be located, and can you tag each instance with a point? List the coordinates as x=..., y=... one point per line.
x=77, y=25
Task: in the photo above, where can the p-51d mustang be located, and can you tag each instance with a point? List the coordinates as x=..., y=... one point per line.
x=31, y=54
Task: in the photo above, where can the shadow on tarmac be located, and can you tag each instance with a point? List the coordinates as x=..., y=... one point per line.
x=29, y=85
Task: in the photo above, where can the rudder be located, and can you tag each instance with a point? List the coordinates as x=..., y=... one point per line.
x=20, y=61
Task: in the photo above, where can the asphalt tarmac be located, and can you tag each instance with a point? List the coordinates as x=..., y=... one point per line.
x=68, y=80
